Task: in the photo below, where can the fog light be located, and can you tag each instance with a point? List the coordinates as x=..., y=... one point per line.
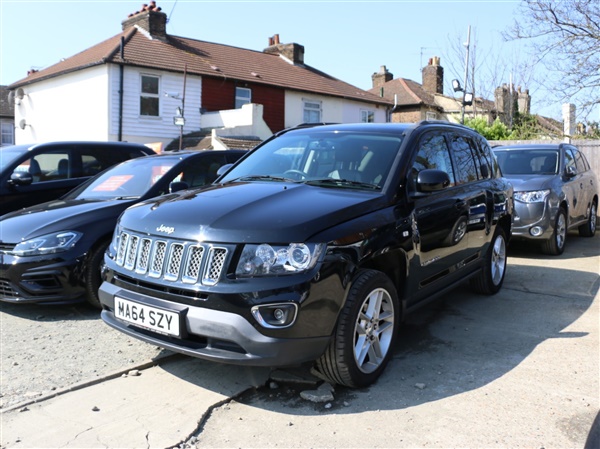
x=536, y=231
x=275, y=315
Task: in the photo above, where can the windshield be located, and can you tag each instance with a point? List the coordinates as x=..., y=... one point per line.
x=324, y=158
x=527, y=162
x=9, y=154
x=129, y=180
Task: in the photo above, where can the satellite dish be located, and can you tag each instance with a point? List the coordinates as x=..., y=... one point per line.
x=20, y=93
x=22, y=123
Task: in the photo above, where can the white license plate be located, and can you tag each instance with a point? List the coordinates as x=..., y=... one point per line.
x=159, y=320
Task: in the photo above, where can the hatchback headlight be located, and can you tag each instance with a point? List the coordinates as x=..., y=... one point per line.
x=272, y=260
x=536, y=196
x=47, y=244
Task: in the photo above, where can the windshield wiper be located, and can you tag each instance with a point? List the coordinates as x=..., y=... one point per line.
x=261, y=178
x=342, y=182
x=130, y=197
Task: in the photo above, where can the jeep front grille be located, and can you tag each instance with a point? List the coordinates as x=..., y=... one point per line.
x=171, y=260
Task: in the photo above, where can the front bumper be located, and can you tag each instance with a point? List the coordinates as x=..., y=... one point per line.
x=215, y=335
x=533, y=221
x=42, y=279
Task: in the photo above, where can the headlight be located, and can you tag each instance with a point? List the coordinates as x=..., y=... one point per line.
x=265, y=260
x=47, y=244
x=536, y=196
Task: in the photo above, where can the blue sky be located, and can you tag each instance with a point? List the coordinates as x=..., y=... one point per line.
x=349, y=40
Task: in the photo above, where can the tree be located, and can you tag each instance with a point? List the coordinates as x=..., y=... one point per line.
x=564, y=36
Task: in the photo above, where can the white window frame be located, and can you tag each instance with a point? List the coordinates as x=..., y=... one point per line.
x=149, y=94
x=311, y=107
x=8, y=134
x=367, y=116
x=241, y=100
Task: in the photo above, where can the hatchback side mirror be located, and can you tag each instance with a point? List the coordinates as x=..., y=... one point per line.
x=177, y=186
x=20, y=178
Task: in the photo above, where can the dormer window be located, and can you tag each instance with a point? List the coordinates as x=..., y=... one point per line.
x=243, y=96
x=149, y=98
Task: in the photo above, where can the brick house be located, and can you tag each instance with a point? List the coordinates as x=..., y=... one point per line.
x=144, y=85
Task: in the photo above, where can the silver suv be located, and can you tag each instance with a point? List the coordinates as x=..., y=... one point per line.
x=555, y=191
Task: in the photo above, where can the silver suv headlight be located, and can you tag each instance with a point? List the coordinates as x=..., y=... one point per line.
x=47, y=244
x=273, y=260
x=536, y=196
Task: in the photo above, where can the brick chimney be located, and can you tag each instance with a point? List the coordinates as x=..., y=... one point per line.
x=293, y=52
x=381, y=77
x=149, y=18
x=433, y=77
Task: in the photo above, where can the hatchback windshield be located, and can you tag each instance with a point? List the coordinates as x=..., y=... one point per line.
x=329, y=159
x=527, y=162
x=129, y=180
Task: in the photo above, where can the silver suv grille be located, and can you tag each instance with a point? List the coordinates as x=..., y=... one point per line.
x=171, y=260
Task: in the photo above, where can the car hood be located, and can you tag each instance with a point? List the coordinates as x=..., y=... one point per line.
x=524, y=183
x=250, y=212
x=57, y=215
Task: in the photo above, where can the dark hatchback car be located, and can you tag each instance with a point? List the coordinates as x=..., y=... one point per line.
x=313, y=247
x=33, y=174
x=52, y=252
x=555, y=191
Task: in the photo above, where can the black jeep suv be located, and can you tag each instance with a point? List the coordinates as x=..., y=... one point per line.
x=312, y=247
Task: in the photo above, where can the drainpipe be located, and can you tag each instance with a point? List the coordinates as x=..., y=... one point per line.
x=121, y=76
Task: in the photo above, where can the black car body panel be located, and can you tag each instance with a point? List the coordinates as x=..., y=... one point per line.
x=92, y=209
x=34, y=174
x=257, y=268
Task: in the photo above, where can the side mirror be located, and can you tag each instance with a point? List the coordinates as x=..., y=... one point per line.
x=177, y=186
x=432, y=180
x=223, y=169
x=570, y=172
x=20, y=178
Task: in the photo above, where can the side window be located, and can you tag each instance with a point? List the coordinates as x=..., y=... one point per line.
x=149, y=98
x=580, y=161
x=487, y=167
x=51, y=166
x=202, y=171
x=570, y=160
x=94, y=160
x=464, y=158
x=433, y=153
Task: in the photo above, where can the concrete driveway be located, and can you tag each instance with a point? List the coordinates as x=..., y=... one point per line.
x=519, y=369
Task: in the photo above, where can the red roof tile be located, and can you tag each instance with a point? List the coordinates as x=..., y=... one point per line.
x=205, y=59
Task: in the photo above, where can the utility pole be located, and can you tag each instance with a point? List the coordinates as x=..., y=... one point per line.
x=467, y=44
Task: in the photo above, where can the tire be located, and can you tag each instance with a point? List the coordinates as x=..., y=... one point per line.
x=366, y=332
x=491, y=278
x=92, y=274
x=555, y=245
x=589, y=228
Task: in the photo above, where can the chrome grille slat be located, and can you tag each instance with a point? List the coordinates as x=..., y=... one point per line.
x=171, y=260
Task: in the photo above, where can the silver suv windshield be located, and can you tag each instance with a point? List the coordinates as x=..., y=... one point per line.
x=324, y=158
x=528, y=162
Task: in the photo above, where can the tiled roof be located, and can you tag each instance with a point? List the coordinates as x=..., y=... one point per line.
x=206, y=59
x=404, y=92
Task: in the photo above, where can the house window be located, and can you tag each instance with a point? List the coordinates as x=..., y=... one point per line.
x=8, y=134
x=149, y=104
x=312, y=111
x=429, y=115
x=367, y=116
x=243, y=96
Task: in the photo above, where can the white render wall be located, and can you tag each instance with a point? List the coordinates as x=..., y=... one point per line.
x=64, y=108
x=334, y=110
